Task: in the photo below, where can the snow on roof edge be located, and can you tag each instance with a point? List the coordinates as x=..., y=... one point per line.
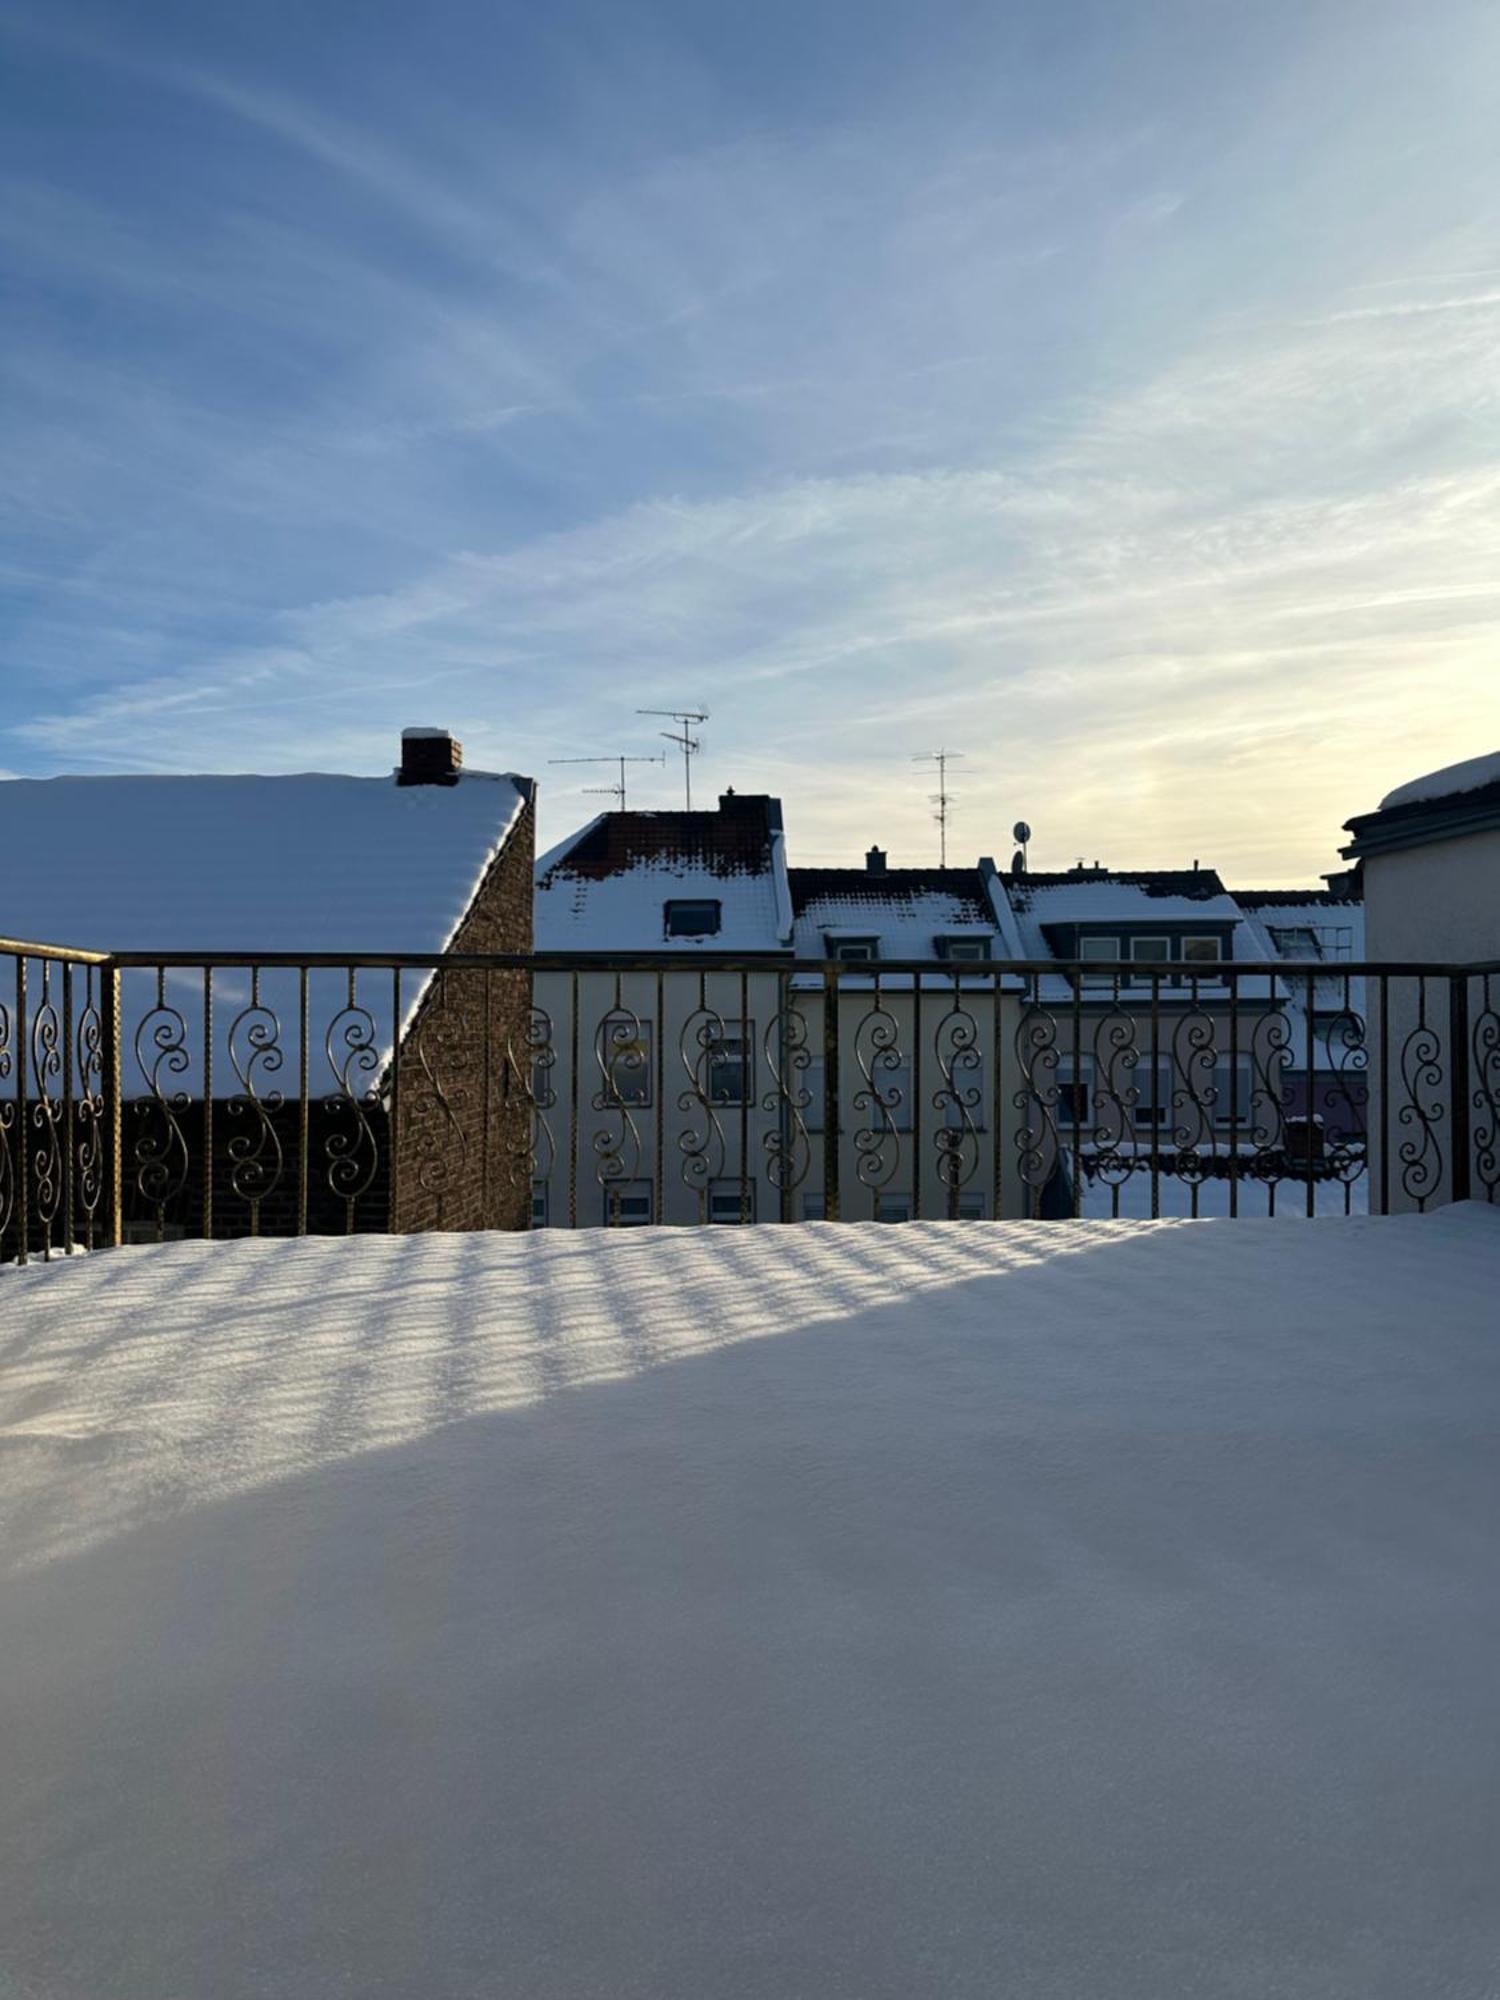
x=1447, y=782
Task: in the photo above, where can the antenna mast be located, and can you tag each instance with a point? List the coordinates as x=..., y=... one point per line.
x=617, y=790
x=683, y=737
x=942, y=798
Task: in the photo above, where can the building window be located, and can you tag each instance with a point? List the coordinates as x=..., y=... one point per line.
x=967, y=1094
x=1296, y=941
x=731, y=1201
x=851, y=950
x=539, y=1208
x=1202, y=950
x=731, y=1063
x=623, y=1050
x=1097, y=948
x=963, y=950
x=893, y=1208
x=693, y=918
x=1073, y=1092
x=1148, y=951
x=971, y=1208
x=814, y=1208
x=627, y=1205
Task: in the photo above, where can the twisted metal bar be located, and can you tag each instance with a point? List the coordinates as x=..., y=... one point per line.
x=255, y=1053
x=1421, y=1062
x=531, y=1065
x=1038, y=1140
x=1192, y=1050
x=159, y=1155
x=1116, y=1149
x=8, y=1175
x=351, y=1150
x=788, y=1059
x=877, y=1055
x=620, y=1055
x=1270, y=1054
x=956, y=1099
x=46, y=1155
x=439, y=1143
x=88, y=1062
x=1485, y=1047
x=702, y=1144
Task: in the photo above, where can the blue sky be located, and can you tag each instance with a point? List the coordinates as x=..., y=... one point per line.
x=1111, y=393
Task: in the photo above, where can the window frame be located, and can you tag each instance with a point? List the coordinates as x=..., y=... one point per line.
x=615, y=1191
x=848, y=951
x=1112, y=939
x=727, y=1189
x=743, y=1032
x=678, y=903
x=973, y=947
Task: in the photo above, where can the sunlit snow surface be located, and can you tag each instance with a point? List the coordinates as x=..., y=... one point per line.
x=1035, y=1610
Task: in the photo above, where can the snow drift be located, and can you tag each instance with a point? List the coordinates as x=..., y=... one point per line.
x=953, y=1611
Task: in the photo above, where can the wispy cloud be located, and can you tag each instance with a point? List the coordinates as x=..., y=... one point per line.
x=862, y=427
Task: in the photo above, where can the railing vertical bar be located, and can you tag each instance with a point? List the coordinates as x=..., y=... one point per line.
x=573, y=1106
x=1079, y=1094
x=1310, y=1059
x=109, y=1000
x=786, y=1127
x=302, y=1108
x=1233, y=980
x=997, y=1095
x=486, y=1127
x=916, y=1097
x=23, y=1151
x=1157, y=1097
x=1121, y=1110
x=69, y=1245
x=208, y=1103
x=830, y=1093
x=393, y=1136
x=1458, y=1084
x=953, y=1163
x=1417, y=1083
x=746, y=1058
x=1385, y=1094
x=1196, y=1108
x=658, y=1096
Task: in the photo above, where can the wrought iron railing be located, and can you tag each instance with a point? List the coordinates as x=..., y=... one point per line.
x=147, y=1095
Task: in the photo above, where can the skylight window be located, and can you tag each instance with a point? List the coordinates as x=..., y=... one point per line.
x=693, y=918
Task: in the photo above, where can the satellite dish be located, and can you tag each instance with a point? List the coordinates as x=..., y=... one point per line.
x=1021, y=832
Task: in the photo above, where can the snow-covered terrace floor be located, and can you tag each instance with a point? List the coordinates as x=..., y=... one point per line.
x=956, y=1611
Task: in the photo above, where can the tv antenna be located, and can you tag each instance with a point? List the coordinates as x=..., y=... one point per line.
x=617, y=790
x=683, y=737
x=942, y=798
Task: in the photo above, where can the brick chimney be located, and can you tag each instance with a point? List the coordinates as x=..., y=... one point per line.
x=429, y=757
x=875, y=861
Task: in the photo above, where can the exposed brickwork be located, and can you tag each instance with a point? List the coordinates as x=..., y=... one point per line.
x=463, y=1124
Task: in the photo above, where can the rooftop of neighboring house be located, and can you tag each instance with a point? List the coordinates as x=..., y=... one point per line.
x=307, y=862
x=894, y=913
x=1458, y=799
x=678, y=881
x=1050, y=908
x=1305, y=923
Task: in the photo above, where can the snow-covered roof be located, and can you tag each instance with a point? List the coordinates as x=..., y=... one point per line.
x=606, y=887
x=314, y=862
x=1025, y=1609
x=308, y=863
x=906, y=909
x=1099, y=897
x=1470, y=776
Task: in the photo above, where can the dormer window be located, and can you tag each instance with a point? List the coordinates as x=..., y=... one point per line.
x=693, y=918
x=1202, y=950
x=851, y=949
x=962, y=950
